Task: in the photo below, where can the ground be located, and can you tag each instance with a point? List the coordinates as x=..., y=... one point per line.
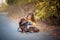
x=8, y=31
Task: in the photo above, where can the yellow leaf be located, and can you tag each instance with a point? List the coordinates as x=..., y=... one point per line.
x=37, y=10
x=52, y=7
x=29, y=1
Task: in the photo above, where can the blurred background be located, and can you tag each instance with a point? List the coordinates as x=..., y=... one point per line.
x=44, y=10
x=46, y=13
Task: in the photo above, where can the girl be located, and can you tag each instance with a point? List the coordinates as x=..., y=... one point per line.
x=31, y=26
x=31, y=20
x=28, y=24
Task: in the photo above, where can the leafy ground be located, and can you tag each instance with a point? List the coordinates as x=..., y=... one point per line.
x=15, y=13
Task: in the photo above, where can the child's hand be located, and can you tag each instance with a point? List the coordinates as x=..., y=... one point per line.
x=28, y=27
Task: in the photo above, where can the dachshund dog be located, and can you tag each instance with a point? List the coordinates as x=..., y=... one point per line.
x=23, y=25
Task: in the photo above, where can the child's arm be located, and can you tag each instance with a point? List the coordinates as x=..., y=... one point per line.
x=34, y=24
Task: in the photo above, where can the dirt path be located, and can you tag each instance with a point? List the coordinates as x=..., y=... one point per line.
x=8, y=31
x=15, y=13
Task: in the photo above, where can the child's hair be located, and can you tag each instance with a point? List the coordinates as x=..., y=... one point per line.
x=32, y=17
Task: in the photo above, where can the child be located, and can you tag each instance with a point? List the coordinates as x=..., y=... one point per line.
x=31, y=23
x=31, y=20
